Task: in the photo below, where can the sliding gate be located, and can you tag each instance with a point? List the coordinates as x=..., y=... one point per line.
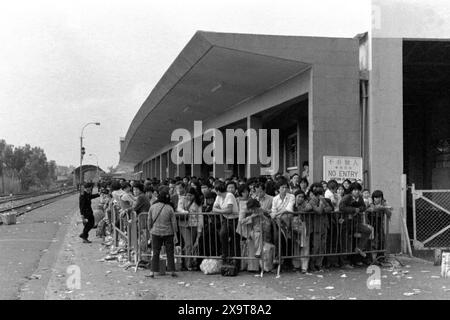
x=431, y=218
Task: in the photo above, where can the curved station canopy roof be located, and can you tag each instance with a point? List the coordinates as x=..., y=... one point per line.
x=214, y=73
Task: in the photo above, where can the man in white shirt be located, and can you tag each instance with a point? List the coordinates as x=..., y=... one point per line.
x=226, y=205
x=282, y=205
x=284, y=202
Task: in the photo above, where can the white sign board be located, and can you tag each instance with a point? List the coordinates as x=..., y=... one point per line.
x=341, y=168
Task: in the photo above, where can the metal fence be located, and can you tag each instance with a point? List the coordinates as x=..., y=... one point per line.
x=302, y=237
x=431, y=219
x=123, y=228
x=306, y=238
x=209, y=228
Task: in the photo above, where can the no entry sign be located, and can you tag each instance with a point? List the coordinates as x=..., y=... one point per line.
x=340, y=168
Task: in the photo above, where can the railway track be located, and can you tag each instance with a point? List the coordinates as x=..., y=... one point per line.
x=34, y=204
x=22, y=196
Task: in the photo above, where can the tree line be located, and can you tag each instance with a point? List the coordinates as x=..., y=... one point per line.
x=29, y=164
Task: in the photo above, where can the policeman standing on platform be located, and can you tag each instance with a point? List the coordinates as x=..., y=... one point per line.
x=86, y=210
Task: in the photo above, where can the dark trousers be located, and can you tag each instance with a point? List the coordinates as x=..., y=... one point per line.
x=157, y=242
x=88, y=225
x=230, y=241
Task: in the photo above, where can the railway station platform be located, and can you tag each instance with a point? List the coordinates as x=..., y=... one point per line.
x=37, y=252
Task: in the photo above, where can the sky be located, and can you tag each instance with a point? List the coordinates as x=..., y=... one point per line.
x=66, y=63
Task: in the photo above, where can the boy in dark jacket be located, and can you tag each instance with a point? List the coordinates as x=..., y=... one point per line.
x=353, y=206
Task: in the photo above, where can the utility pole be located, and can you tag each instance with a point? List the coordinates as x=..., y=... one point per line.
x=82, y=151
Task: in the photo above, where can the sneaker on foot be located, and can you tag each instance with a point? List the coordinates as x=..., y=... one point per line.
x=86, y=240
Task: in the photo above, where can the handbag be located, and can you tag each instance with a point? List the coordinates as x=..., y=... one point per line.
x=192, y=264
x=157, y=216
x=229, y=269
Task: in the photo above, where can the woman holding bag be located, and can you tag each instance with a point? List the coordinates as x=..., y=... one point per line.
x=162, y=225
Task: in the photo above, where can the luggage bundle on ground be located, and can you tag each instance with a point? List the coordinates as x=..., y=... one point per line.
x=211, y=266
x=230, y=268
x=9, y=217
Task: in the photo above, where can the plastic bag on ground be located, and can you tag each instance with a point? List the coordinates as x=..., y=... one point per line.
x=211, y=266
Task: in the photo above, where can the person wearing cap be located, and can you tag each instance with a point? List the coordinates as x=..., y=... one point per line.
x=86, y=210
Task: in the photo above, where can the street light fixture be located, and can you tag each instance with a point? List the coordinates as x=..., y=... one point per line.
x=82, y=150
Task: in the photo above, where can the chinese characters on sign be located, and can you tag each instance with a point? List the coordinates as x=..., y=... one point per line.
x=341, y=168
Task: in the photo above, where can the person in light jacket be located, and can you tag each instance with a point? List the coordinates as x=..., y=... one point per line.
x=163, y=226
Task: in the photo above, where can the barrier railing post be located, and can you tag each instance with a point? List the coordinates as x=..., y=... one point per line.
x=138, y=244
x=133, y=234
x=279, y=247
x=413, y=194
x=261, y=258
x=128, y=240
x=115, y=234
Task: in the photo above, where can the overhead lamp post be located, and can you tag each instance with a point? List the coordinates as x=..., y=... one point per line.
x=82, y=150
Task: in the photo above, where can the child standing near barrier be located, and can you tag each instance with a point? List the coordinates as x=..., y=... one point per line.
x=353, y=206
x=191, y=226
x=253, y=221
x=376, y=214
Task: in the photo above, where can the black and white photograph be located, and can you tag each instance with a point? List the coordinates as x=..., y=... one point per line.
x=225, y=155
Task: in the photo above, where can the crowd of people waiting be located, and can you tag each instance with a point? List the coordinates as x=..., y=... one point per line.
x=218, y=217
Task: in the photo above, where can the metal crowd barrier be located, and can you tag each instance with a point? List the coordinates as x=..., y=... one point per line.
x=298, y=236
x=124, y=230
x=209, y=245
x=302, y=236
